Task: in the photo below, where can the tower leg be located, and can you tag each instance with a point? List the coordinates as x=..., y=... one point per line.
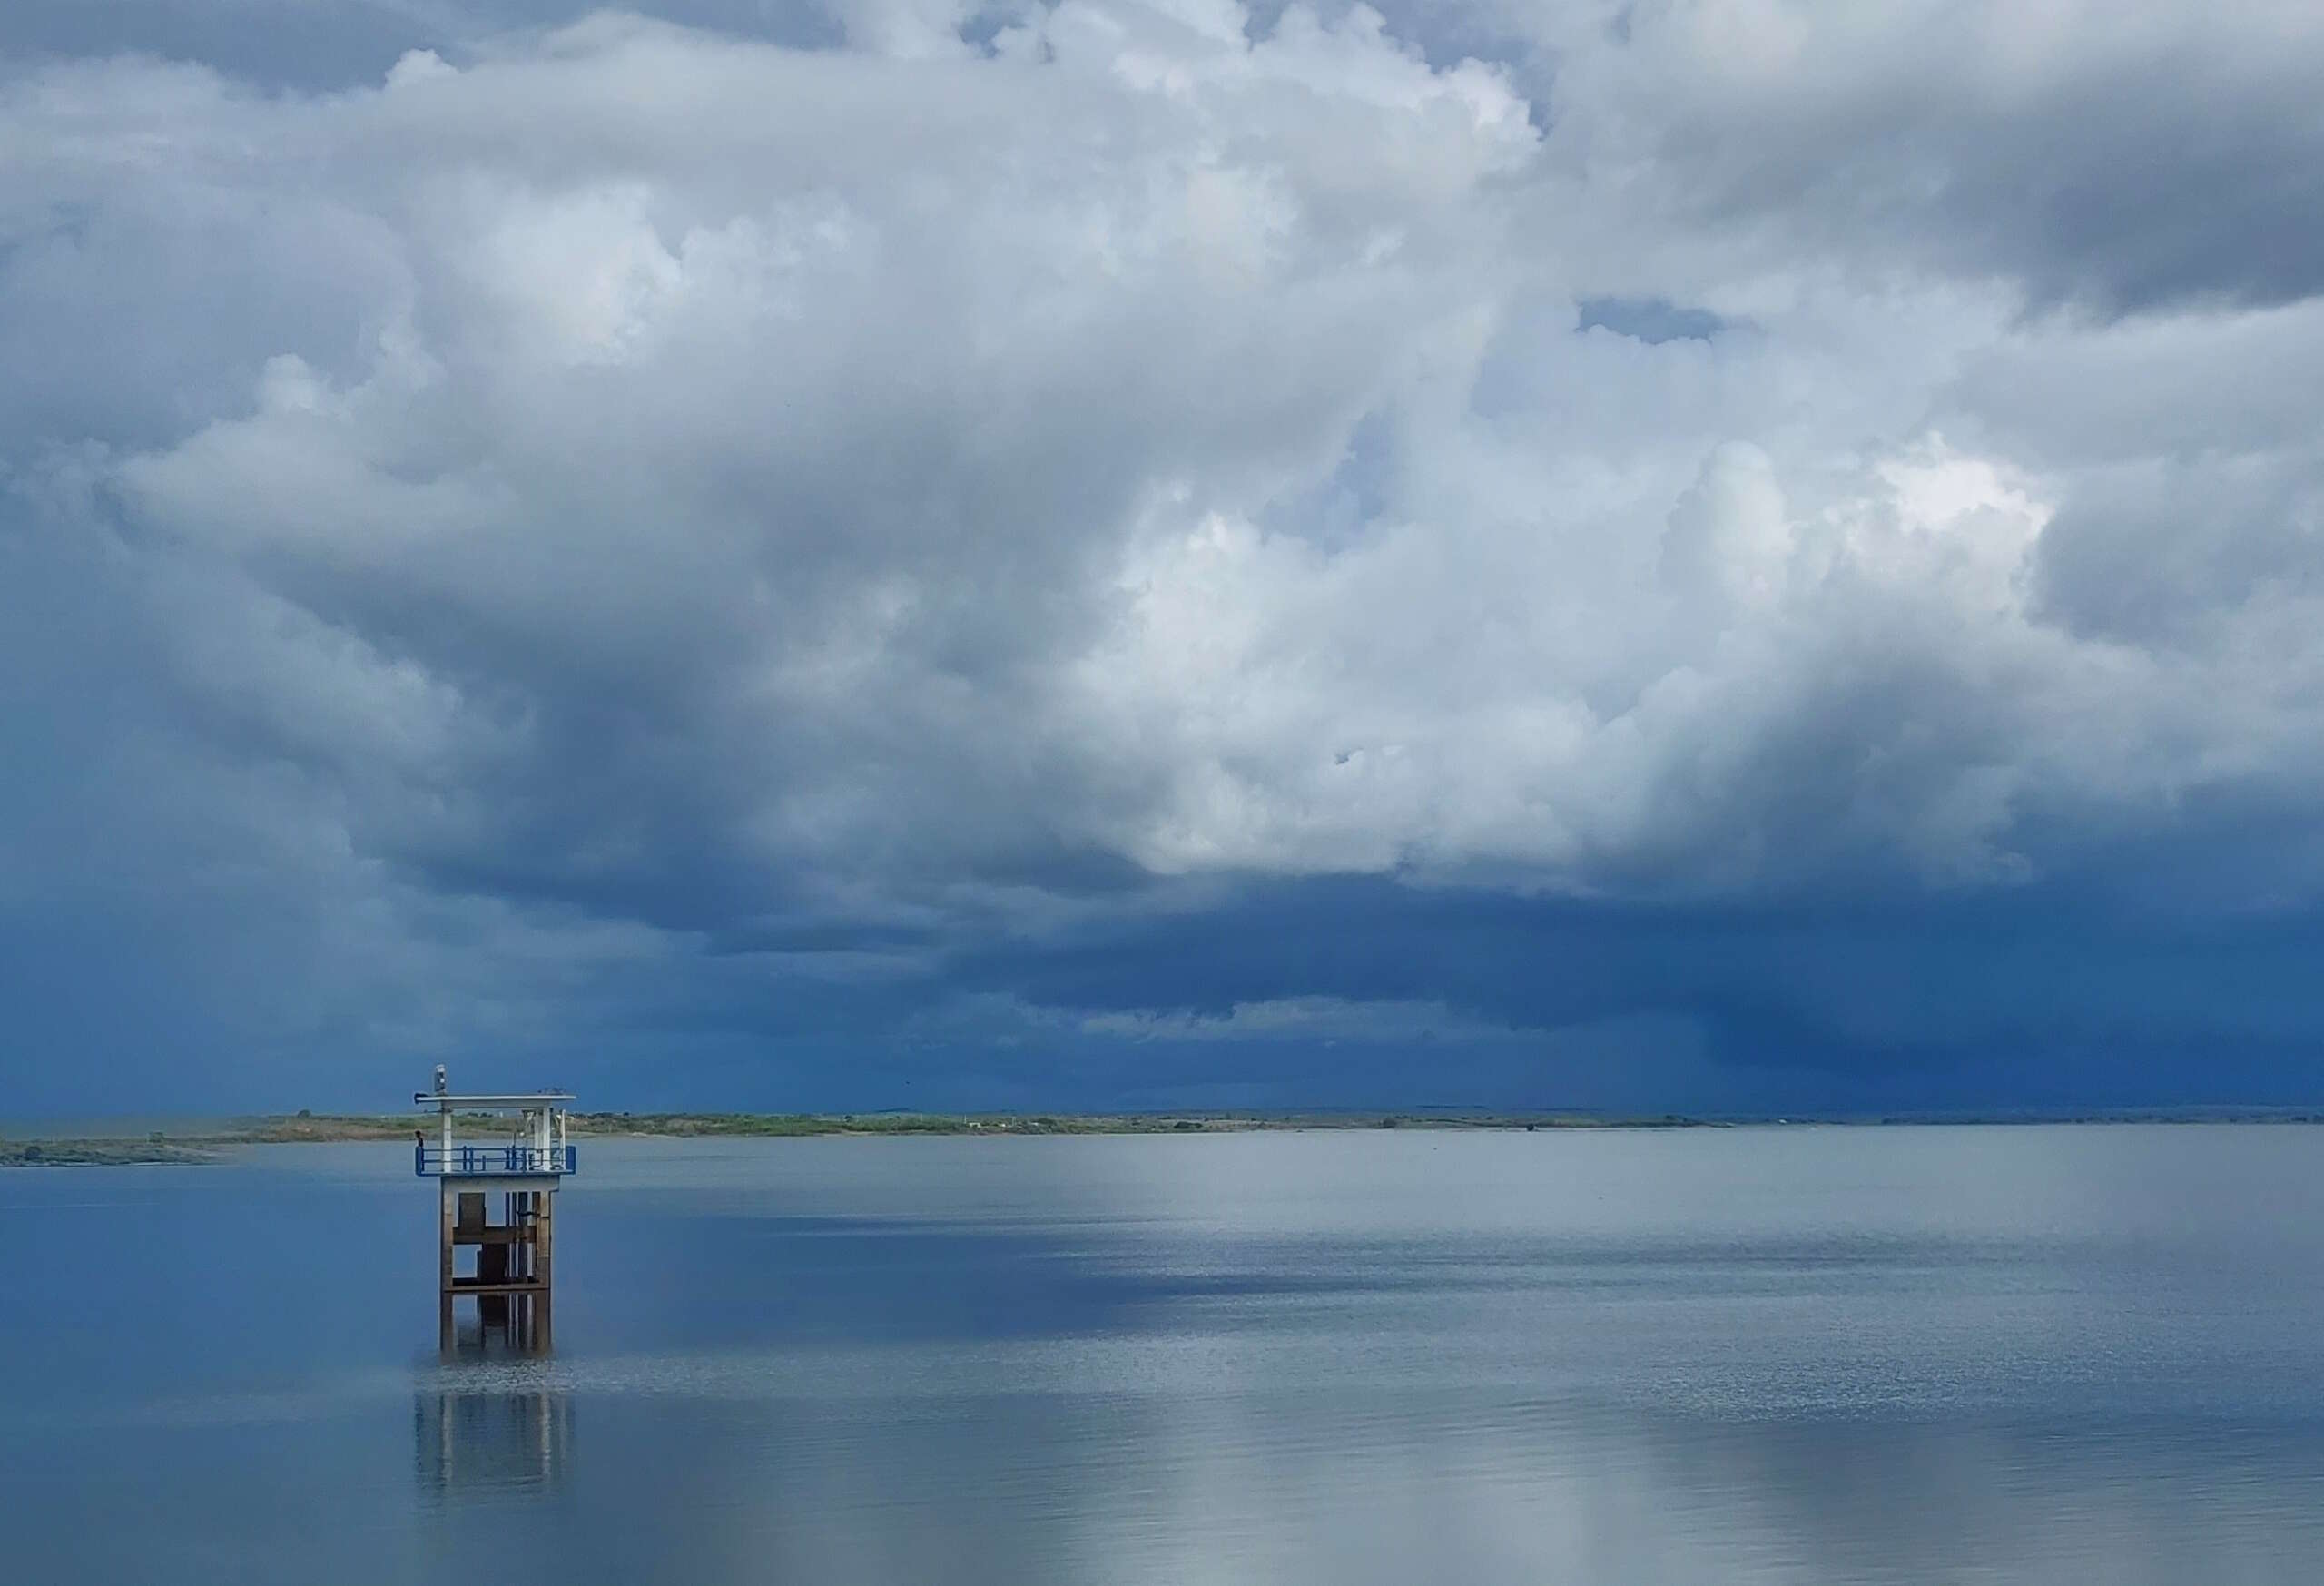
x=544, y=1268
x=444, y=1275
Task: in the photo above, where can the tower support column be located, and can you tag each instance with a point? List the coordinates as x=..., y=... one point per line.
x=448, y=1198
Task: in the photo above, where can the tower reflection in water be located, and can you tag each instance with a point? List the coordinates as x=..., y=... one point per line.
x=469, y=1443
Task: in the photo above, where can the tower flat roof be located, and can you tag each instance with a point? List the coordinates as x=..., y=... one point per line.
x=487, y=1103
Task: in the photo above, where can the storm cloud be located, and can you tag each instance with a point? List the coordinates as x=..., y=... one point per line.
x=1727, y=555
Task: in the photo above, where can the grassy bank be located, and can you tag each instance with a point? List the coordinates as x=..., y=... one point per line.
x=99, y=1154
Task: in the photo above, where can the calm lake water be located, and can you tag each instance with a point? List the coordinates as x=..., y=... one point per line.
x=1910, y=1355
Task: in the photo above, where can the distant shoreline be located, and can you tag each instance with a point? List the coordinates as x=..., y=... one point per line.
x=197, y=1142
x=202, y=1142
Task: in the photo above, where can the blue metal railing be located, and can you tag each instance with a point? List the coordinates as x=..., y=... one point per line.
x=482, y=1161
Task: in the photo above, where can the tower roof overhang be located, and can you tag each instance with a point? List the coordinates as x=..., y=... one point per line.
x=489, y=1103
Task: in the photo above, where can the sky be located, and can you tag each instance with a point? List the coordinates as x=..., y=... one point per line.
x=1698, y=556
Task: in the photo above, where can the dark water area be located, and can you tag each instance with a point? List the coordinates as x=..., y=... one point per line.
x=1819, y=1355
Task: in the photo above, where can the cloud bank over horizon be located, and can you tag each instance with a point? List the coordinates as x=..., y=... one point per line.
x=1717, y=555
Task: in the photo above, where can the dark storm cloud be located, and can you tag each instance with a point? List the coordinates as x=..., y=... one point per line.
x=1814, y=984
x=2119, y=561
x=2122, y=158
x=1150, y=552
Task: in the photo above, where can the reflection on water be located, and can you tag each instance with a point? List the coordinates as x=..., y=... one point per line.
x=2040, y=1355
x=466, y=1443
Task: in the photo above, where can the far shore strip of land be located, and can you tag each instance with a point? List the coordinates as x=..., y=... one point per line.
x=199, y=1142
